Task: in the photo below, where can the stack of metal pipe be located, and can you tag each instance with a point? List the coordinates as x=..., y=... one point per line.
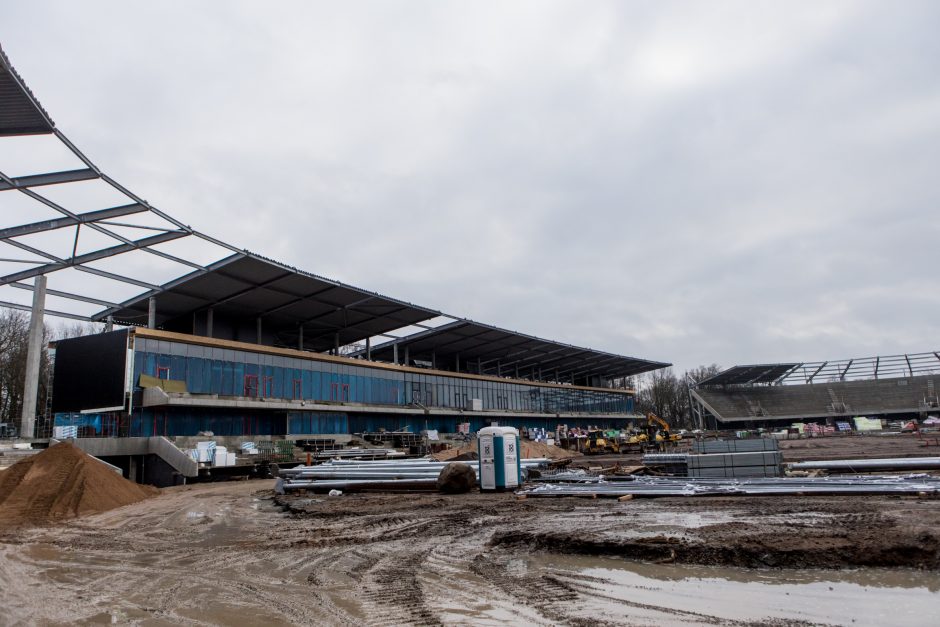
x=404, y=474
x=678, y=486
x=869, y=465
x=358, y=453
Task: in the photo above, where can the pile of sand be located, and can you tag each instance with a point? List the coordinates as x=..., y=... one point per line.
x=530, y=450
x=62, y=482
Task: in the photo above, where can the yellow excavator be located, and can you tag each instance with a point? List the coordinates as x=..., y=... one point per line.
x=663, y=435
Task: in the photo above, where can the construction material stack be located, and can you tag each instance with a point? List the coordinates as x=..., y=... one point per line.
x=716, y=459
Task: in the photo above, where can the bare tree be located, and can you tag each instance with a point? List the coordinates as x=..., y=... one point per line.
x=14, y=341
x=667, y=395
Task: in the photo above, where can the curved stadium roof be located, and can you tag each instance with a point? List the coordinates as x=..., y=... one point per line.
x=247, y=286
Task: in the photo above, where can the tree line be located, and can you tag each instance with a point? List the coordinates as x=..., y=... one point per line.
x=14, y=340
x=665, y=394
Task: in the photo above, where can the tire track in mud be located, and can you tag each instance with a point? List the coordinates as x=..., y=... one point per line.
x=392, y=594
x=421, y=559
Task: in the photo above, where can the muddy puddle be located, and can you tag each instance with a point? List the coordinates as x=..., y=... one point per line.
x=616, y=590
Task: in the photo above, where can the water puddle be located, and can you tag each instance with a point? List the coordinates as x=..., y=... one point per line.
x=665, y=594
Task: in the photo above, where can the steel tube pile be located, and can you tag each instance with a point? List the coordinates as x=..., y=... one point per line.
x=670, y=486
x=866, y=465
x=357, y=453
x=410, y=474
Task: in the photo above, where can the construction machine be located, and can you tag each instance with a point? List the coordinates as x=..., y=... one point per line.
x=598, y=443
x=637, y=442
x=658, y=431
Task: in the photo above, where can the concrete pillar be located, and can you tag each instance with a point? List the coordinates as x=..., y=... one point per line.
x=258, y=329
x=369, y=348
x=109, y=324
x=210, y=320
x=33, y=359
x=395, y=352
x=152, y=313
x=300, y=337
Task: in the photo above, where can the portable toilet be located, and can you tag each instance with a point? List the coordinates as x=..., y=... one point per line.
x=500, y=466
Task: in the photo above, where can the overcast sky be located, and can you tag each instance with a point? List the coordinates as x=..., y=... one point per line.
x=688, y=182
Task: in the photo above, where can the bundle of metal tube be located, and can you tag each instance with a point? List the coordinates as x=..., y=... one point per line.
x=568, y=476
x=356, y=452
x=866, y=465
x=667, y=486
x=382, y=474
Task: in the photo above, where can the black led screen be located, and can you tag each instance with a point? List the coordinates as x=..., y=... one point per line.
x=89, y=372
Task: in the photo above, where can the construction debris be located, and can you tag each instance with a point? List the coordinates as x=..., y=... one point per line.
x=382, y=475
x=868, y=465
x=684, y=487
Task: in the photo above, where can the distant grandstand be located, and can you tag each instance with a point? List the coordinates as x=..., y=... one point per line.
x=773, y=395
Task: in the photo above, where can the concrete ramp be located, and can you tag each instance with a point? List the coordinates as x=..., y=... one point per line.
x=159, y=446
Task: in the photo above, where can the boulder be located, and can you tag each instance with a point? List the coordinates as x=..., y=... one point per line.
x=456, y=478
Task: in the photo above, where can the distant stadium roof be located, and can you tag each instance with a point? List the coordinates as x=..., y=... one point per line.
x=856, y=369
x=248, y=286
x=740, y=375
x=499, y=351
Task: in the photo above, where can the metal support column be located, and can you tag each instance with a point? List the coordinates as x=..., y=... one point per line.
x=152, y=312
x=336, y=343
x=210, y=320
x=109, y=324
x=369, y=348
x=434, y=360
x=258, y=334
x=456, y=362
x=407, y=355
x=33, y=359
x=395, y=352
x=300, y=337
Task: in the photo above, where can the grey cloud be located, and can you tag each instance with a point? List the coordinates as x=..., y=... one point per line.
x=721, y=182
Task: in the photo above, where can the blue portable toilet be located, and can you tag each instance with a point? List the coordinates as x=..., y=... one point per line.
x=500, y=464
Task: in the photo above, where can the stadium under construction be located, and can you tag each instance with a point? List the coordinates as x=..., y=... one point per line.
x=250, y=348
x=896, y=387
x=247, y=346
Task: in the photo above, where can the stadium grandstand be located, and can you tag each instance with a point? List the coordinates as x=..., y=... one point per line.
x=247, y=346
x=772, y=395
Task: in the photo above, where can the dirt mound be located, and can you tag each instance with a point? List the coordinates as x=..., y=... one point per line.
x=62, y=482
x=530, y=450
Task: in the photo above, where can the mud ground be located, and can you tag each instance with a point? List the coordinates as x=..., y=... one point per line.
x=234, y=554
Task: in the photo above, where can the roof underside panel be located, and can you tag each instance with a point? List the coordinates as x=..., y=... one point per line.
x=742, y=375
x=498, y=351
x=247, y=287
x=20, y=113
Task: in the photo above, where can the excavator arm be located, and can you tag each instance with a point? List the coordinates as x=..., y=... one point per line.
x=652, y=418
